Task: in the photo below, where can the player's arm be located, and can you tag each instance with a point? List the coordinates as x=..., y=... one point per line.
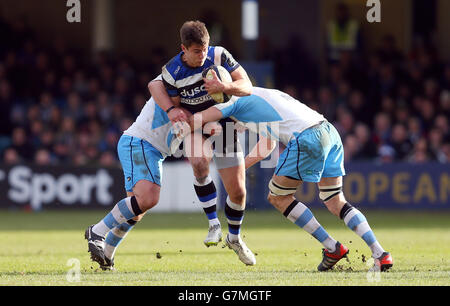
x=167, y=103
x=261, y=150
x=241, y=85
x=199, y=119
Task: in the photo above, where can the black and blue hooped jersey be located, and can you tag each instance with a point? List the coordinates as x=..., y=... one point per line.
x=187, y=82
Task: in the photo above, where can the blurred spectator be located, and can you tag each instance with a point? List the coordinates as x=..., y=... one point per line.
x=358, y=107
x=21, y=144
x=343, y=34
x=420, y=152
x=427, y=114
x=43, y=157
x=11, y=157
x=345, y=122
x=444, y=153
x=367, y=148
x=402, y=115
x=6, y=105
x=435, y=142
x=445, y=79
x=386, y=154
x=327, y=106
x=441, y=123
x=386, y=81
x=388, y=106
x=400, y=142
x=108, y=159
x=382, y=129
x=414, y=129
x=445, y=103
x=351, y=148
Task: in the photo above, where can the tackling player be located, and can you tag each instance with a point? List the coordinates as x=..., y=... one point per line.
x=182, y=84
x=314, y=153
x=142, y=148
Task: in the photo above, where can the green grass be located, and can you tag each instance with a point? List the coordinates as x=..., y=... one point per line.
x=35, y=248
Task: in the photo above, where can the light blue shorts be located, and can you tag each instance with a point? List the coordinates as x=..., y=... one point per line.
x=140, y=161
x=314, y=153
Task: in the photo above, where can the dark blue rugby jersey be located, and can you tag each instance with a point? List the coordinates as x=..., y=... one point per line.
x=187, y=82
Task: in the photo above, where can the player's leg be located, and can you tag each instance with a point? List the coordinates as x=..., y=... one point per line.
x=233, y=179
x=146, y=195
x=229, y=161
x=141, y=164
x=281, y=196
x=116, y=236
x=330, y=192
x=333, y=197
x=303, y=160
x=199, y=153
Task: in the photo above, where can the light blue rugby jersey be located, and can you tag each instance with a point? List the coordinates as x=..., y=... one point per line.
x=187, y=82
x=272, y=113
x=153, y=125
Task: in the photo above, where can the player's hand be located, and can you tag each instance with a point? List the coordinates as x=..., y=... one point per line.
x=214, y=85
x=212, y=128
x=176, y=115
x=181, y=129
x=240, y=128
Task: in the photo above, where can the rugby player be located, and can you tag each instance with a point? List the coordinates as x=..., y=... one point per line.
x=142, y=148
x=314, y=153
x=182, y=84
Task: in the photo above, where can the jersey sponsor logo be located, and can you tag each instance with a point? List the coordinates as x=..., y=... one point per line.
x=192, y=92
x=195, y=101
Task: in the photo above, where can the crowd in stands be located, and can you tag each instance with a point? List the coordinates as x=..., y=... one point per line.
x=390, y=107
x=60, y=106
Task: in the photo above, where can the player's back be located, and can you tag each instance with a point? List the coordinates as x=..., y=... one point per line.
x=187, y=82
x=153, y=125
x=282, y=115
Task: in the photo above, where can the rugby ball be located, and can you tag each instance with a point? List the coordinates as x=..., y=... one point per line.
x=224, y=76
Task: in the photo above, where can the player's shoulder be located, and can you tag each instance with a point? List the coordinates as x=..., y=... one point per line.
x=219, y=56
x=226, y=59
x=173, y=67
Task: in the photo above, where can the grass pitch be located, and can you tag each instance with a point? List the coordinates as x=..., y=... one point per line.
x=37, y=248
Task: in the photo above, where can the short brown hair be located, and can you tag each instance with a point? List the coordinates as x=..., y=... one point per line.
x=194, y=32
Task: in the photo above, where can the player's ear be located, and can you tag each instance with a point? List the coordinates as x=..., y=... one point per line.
x=183, y=48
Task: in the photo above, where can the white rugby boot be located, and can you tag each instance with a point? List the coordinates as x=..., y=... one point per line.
x=214, y=235
x=241, y=249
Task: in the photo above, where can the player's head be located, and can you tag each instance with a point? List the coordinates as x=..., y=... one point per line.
x=194, y=42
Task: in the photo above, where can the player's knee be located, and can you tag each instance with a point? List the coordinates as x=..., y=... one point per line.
x=200, y=167
x=238, y=195
x=147, y=201
x=334, y=207
x=274, y=199
x=279, y=193
x=278, y=201
x=333, y=198
x=335, y=203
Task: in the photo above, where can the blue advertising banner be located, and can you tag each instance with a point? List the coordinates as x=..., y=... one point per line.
x=368, y=185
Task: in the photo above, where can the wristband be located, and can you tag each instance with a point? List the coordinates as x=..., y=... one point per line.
x=169, y=109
